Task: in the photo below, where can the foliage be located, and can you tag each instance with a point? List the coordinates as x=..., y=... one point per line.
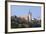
x=22, y=23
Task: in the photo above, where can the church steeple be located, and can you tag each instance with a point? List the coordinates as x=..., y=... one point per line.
x=29, y=16
x=30, y=12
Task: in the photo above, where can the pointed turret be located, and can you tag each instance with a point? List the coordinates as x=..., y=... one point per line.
x=29, y=16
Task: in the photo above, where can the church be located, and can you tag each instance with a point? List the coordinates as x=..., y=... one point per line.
x=27, y=17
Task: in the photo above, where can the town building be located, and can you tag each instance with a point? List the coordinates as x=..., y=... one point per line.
x=27, y=17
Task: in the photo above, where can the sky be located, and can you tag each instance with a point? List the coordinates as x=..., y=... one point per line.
x=20, y=10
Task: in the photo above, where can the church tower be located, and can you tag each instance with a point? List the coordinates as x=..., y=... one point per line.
x=29, y=16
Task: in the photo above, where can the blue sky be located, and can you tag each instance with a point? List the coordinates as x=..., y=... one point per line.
x=19, y=10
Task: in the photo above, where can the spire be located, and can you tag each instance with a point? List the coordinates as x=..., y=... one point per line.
x=30, y=12
x=29, y=16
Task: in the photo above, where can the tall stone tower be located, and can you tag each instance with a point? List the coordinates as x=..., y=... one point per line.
x=29, y=16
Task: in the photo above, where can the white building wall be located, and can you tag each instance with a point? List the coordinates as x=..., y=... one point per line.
x=30, y=18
